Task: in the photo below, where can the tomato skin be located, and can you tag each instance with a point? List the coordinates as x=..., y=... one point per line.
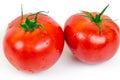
x=85, y=41
x=33, y=51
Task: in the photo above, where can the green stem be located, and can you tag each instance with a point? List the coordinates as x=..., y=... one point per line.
x=30, y=25
x=21, y=13
x=97, y=19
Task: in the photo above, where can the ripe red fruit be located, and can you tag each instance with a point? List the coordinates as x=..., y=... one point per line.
x=33, y=42
x=92, y=37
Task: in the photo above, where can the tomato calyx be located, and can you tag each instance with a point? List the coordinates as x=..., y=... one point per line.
x=30, y=25
x=97, y=19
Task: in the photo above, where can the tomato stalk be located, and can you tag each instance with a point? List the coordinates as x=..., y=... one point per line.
x=30, y=25
x=97, y=19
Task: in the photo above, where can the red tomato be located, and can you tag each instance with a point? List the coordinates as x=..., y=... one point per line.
x=31, y=47
x=92, y=37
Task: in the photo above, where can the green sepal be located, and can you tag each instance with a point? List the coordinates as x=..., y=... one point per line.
x=97, y=19
x=30, y=25
x=24, y=26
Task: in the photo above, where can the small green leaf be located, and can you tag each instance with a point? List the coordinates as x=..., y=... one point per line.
x=28, y=22
x=106, y=19
x=42, y=27
x=24, y=26
x=104, y=10
x=89, y=15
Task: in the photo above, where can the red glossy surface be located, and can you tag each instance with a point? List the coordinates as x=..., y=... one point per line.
x=85, y=41
x=33, y=51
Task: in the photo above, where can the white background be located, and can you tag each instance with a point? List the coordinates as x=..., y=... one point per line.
x=67, y=67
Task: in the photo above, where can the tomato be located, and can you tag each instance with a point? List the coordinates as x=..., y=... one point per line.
x=33, y=42
x=92, y=37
